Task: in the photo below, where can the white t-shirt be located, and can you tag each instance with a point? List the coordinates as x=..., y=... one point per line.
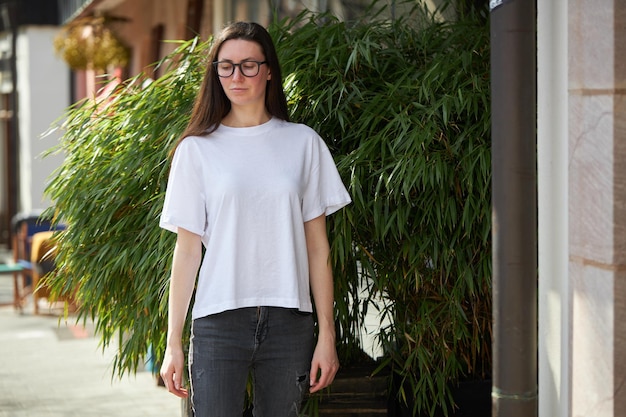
x=248, y=192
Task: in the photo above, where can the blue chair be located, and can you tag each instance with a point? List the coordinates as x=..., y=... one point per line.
x=24, y=227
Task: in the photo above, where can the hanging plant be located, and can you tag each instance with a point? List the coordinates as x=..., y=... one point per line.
x=90, y=43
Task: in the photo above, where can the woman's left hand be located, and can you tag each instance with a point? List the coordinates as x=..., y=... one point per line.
x=324, y=365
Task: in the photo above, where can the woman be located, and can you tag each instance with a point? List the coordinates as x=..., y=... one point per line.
x=254, y=190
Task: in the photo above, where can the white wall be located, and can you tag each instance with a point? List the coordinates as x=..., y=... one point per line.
x=552, y=168
x=44, y=94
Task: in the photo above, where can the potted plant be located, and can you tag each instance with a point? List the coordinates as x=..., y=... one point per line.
x=403, y=105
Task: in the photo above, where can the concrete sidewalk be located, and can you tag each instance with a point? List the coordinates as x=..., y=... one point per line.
x=52, y=368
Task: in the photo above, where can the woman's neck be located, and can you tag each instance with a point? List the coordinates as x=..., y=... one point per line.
x=246, y=119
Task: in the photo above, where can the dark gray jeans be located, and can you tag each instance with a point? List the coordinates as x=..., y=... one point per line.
x=274, y=344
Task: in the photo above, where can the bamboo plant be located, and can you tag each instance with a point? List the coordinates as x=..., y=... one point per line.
x=113, y=259
x=403, y=105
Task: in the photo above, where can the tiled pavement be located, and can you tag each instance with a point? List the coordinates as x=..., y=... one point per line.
x=53, y=368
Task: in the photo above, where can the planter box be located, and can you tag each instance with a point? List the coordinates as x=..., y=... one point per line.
x=472, y=398
x=356, y=393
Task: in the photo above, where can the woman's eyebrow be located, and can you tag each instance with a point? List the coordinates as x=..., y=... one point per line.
x=245, y=59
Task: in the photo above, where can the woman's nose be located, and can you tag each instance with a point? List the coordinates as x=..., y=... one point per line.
x=237, y=73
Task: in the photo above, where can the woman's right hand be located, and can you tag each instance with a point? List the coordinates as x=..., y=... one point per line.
x=172, y=371
x=187, y=256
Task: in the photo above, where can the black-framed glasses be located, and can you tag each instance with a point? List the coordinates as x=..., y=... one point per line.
x=247, y=68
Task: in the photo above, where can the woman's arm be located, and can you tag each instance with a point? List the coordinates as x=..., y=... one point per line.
x=187, y=257
x=325, y=362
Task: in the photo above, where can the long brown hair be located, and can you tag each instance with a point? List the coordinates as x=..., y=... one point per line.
x=212, y=105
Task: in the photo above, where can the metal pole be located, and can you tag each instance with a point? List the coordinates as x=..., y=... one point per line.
x=514, y=212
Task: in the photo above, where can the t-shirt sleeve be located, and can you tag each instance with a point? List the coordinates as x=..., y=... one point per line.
x=184, y=204
x=325, y=192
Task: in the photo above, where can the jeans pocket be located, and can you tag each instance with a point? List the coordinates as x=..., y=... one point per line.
x=299, y=313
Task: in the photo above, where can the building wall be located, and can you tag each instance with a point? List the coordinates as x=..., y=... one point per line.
x=43, y=91
x=582, y=208
x=143, y=17
x=597, y=204
x=148, y=24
